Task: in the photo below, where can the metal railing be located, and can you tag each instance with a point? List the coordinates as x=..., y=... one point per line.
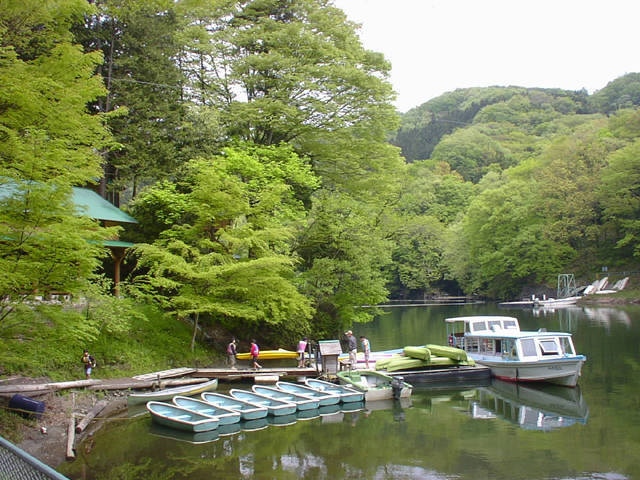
x=16, y=464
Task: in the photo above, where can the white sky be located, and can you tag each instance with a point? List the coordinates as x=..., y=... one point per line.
x=436, y=46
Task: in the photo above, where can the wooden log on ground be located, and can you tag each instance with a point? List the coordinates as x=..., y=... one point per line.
x=71, y=439
x=123, y=384
x=45, y=387
x=97, y=408
x=115, y=384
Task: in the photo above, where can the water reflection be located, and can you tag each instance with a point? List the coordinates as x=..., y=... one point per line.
x=534, y=407
x=535, y=432
x=182, y=436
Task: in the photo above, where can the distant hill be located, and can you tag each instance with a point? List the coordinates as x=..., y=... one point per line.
x=423, y=127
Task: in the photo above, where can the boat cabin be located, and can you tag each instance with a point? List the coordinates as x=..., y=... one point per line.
x=501, y=337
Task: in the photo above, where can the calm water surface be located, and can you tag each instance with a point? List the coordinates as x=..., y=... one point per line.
x=497, y=431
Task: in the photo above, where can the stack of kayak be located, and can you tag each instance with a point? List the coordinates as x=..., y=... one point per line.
x=426, y=356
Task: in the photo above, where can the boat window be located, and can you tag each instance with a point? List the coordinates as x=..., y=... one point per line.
x=566, y=346
x=529, y=348
x=510, y=324
x=478, y=326
x=495, y=325
x=549, y=347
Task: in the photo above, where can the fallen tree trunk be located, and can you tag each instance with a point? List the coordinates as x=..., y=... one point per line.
x=141, y=385
x=71, y=439
x=116, y=384
x=97, y=408
x=45, y=387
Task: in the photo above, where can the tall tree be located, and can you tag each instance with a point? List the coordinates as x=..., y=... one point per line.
x=48, y=143
x=295, y=71
x=148, y=115
x=228, y=252
x=282, y=69
x=46, y=132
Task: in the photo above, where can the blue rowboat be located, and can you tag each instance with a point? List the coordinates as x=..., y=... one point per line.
x=302, y=402
x=168, y=393
x=180, y=418
x=347, y=394
x=324, y=398
x=247, y=410
x=225, y=415
x=276, y=407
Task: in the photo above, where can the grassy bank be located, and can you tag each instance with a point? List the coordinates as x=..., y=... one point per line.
x=145, y=340
x=46, y=346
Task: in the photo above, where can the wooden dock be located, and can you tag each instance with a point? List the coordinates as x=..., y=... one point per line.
x=239, y=374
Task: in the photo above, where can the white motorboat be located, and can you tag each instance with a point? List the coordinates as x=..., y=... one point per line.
x=514, y=355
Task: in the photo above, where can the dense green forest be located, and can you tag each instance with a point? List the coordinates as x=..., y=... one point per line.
x=277, y=189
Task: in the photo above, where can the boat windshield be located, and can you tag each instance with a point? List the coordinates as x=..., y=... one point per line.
x=566, y=346
x=549, y=347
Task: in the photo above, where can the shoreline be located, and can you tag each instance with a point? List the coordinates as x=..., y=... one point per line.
x=50, y=447
x=46, y=439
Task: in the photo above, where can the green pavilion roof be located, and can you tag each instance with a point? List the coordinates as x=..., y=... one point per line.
x=93, y=205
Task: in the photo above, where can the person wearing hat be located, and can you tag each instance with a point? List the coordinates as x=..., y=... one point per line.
x=353, y=348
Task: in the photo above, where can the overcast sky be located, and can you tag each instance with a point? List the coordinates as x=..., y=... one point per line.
x=436, y=46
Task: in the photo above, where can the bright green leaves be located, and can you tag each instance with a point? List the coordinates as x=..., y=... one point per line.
x=227, y=252
x=46, y=247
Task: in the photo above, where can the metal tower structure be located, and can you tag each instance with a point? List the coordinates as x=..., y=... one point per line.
x=566, y=285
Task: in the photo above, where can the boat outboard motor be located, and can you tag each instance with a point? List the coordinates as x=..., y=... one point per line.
x=396, y=385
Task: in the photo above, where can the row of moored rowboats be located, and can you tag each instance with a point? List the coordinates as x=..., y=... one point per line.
x=215, y=409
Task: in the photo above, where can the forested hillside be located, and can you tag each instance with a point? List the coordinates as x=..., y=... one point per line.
x=554, y=176
x=250, y=140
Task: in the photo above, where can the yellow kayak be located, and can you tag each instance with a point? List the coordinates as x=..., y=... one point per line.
x=278, y=354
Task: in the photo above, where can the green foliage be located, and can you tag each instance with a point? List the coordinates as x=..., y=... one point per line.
x=345, y=252
x=45, y=131
x=289, y=71
x=471, y=153
x=620, y=191
x=623, y=92
x=228, y=255
x=151, y=125
x=423, y=127
x=46, y=247
x=145, y=340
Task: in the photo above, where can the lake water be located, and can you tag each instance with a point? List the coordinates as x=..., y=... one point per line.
x=498, y=431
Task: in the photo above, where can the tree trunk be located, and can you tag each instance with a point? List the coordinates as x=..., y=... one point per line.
x=98, y=407
x=195, y=331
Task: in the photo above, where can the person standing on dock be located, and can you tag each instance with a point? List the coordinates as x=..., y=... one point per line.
x=353, y=349
x=302, y=348
x=366, y=349
x=255, y=353
x=231, y=353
